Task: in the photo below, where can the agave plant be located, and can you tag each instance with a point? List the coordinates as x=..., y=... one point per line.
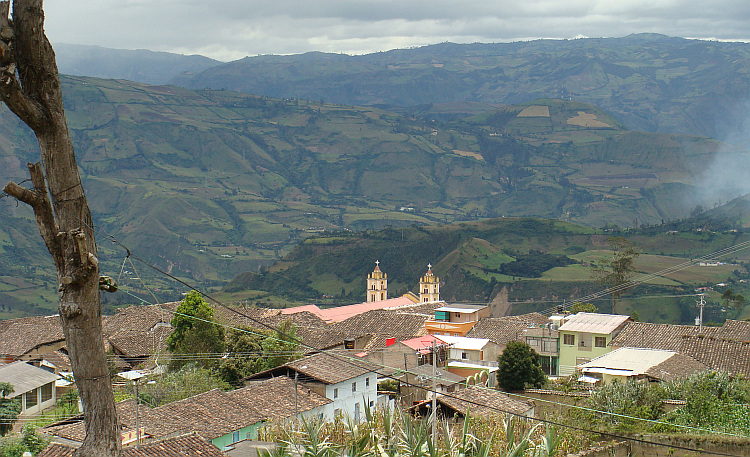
x=414, y=436
x=314, y=441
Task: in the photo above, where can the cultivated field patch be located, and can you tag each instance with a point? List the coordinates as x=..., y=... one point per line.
x=535, y=111
x=584, y=119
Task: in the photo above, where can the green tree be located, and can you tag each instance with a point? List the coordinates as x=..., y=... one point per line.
x=69, y=402
x=244, y=347
x=519, y=366
x=736, y=301
x=177, y=385
x=615, y=273
x=195, y=333
x=9, y=408
x=29, y=441
x=579, y=307
x=251, y=350
x=282, y=346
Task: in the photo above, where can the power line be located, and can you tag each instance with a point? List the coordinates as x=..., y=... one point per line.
x=354, y=362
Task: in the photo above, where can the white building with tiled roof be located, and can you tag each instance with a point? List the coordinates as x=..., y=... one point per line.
x=349, y=383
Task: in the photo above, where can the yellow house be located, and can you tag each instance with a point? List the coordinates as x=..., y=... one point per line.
x=586, y=336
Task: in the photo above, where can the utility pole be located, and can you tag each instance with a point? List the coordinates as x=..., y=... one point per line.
x=701, y=304
x=434, y=392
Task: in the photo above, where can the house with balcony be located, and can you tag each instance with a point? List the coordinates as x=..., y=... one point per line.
x=586, y=336
x=545, y=340
x=455, y=320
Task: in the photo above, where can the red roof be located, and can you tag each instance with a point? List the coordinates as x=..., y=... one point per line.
x=422, y=343
x=300, y=309
x=341, y=313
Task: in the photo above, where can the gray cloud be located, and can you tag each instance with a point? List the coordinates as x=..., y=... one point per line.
x=232, y=29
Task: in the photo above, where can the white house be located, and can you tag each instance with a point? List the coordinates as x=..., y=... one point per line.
x=471, y=349
x=349, y=383
x=35, y=387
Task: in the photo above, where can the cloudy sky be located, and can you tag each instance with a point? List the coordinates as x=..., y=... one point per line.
x=232, y=29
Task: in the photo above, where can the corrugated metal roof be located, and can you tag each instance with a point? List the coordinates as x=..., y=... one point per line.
x=635, y=360
x=460, y=342
x=461, y=308
x=24, y=377
x=594, y=323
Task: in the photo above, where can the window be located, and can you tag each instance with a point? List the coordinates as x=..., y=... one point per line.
x=458, y=314
x=367, y=382
x=600, y=341
x=354, y=387
x=569, y=339
x=236, y=436
x=549, y=345
x=580, y=360
x=464, y=355
x=31, y=398
x=335, y=392
x=46, y=392
x=372, y=403
x=532, y=341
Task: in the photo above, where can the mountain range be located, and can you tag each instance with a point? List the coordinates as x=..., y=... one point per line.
x=210, y=183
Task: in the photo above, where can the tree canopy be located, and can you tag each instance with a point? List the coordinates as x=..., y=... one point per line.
x=615, y=273
x=10, y=408
x=252, y=350
x=519, y=367
x=195, y=333
x=579, y=307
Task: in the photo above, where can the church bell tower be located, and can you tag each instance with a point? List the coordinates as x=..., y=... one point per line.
x=429, y=287
x=377, y=284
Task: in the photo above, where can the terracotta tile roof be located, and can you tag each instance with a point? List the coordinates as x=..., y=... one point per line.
x=19, y=336
x=141, y=343
x=734, y=330
x=180, y=446
x=274, y=398
x=530, y=318
x=211, y=414
x=501, y=330
x=719, y=354
x=73, y=429
x=57, y=358
x=676, y=367
x=136, y=318
x=327, y=368
x=483, y=402
x=382, y=324
x=656, y=336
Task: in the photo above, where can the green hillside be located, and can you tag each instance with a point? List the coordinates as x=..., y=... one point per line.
x=209, y=184
x=650, y=82
x=533, y=264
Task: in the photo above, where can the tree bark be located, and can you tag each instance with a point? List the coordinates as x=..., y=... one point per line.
x=30, y=87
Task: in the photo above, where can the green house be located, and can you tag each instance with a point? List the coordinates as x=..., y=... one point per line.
x=586, y=336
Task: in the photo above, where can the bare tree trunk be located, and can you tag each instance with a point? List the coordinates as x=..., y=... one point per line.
x=30, y=87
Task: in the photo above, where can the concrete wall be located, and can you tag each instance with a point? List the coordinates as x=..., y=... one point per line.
x=666, y=447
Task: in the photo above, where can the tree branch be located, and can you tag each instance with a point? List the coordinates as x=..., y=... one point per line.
x=39, y=201
x=11, y=92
